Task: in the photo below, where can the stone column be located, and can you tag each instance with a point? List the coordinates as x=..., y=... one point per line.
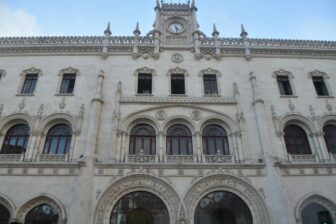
x=279, y=208
x=198, y=141
x=161, y=146
x=84, y=208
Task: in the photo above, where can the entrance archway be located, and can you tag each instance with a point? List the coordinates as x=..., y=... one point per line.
x=140, y=207
x=4, y=215
x=222, y=207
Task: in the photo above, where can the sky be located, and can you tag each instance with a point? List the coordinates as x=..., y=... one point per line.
x=280, y=19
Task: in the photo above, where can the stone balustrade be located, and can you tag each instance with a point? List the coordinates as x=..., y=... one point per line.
x=306, y=158
x=5, y=158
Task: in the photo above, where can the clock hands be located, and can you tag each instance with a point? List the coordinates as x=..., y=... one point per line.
x=177, y=29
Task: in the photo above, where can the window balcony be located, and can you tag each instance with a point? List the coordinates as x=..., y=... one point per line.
x=5, y=158
x=141, y=158
x=180, y=159
x=52, y=158
x=218, y=159
x=305, y=158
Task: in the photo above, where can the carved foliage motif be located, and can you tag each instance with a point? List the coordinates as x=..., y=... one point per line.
x=282, y=72
x=136, y=182
x=227, y=183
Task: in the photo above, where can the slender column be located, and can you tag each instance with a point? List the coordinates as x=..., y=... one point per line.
x=233, y=137
x=317, y=148
x=323, y=146
x=277, y=195
x=198, y=140
x=161, y=147
x=85, y=179
x=123, y=148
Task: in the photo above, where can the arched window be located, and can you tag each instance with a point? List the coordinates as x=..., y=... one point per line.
x=296, y=140
x=16, y=139
x=215, y=140
x=330, y=137
x=142, y=138
x=4, y=215
x=316, y=213
x=139, y=207
x=58, y=140
x=43, y=213
x=179, y=141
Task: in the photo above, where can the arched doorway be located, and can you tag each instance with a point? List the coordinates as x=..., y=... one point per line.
x=42, y=214
x=222, y=207
x=4, y=215
x=139, y=207
x=316, y=213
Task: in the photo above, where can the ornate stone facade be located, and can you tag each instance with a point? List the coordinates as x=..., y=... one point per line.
x=103, y=107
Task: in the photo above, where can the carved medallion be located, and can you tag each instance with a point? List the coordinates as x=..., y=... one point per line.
x=196, y=115
x=161, y=115
x=177, y=58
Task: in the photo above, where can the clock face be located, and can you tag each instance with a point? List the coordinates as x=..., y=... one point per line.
x=176, y=27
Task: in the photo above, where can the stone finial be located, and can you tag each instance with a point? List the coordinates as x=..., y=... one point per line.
x=108, y=30
x=158, y=5
x=215, y=32
x=193, y=5
x=243, y=33
x=137, y=30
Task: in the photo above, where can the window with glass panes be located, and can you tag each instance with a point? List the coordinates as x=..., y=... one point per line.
x=29, y=84
x=145, y=84
x=68, y=83
x=320, y=86
x=177, y=84
x=284, y=85
x=210, y=84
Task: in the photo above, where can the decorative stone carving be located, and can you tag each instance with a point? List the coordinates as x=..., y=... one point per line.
x=312, y=112
x=328, y=106
x=22, y=104
x=177, y=58
x=291, y=106
x=224, y=182
x=217, y=73
x=282, y=72
x=161, y=115
x=131, y=183
x=318, y=73
x=1, y=109
x=196, y=115
x=177, y=70
x=69, y=70
x=144, y=70
x=62, y=104
x=2, y=73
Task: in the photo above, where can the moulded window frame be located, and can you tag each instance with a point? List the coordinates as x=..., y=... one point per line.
x=325, y=77
x=178, y=71
x=30, y=71
x=61, y=74
x=210, y=71
x=141, y=71
x=290, y=76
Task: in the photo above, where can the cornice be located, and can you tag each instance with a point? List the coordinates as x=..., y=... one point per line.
x=124, y=44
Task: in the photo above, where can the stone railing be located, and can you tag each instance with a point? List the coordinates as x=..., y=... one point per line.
x=180, y=158
x=218, y=159
x=141, y=158
x=52, y=158
x=5, y=158
x=302, y=158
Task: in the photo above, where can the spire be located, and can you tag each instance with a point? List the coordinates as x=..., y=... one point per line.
x=108, y=30
x=193, y=5
x=137, y=30
x=243, y=33
x=215, y=32
x=157, y=5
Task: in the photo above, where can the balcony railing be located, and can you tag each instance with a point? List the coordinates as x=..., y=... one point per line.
x=52, y=158
x=5, y=158
x=218, y=159
x=180, y=158
x=141, y=158
x=302, y=158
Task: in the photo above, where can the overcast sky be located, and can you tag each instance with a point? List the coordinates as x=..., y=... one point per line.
x=285, y=19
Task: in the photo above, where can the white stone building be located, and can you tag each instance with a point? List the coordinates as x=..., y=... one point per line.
x=168, y=127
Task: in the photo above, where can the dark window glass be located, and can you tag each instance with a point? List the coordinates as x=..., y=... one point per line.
x=145, y=84
x=68, y=83
x=210, y=84
x=296, y=140
x=179, y=140
x=58, y=140
x=4, y=215
x=320, y=86
x=215, y=140
x=324, y=217
x=16, y=140
x=29, y=84
x=315, y=213
x=177, y=84
x=284, y=85
x=42, y=214
x=142, y=138
x=139, y=207
x=222, y=207
x=330, y=137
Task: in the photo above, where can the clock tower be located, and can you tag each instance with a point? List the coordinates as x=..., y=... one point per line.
x=175, y=24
